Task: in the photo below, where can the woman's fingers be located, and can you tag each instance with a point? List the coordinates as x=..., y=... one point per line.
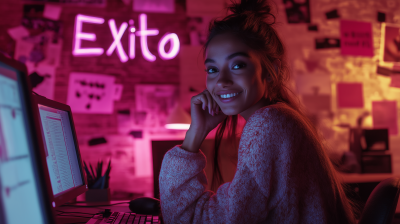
x=207, y=100
x=210, y=101
x=200, y=99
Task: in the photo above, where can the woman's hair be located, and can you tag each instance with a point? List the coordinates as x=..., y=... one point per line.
x=252, y=21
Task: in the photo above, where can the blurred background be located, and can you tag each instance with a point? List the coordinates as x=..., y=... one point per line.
x=129, y=67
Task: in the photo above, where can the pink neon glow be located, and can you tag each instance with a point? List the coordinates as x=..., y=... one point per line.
x=173, y=50
x=132, y=46
x=143, y=33
x=117, y=40
x=177, y=126
x=79, y=36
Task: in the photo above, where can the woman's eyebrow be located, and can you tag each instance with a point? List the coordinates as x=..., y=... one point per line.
x=244, y=54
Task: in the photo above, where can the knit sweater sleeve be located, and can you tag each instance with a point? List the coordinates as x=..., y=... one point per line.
x=251, y=195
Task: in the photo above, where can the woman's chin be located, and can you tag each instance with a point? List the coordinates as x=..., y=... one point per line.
x=230, y=112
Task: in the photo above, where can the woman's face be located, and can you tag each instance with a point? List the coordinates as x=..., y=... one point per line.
x=234, y=75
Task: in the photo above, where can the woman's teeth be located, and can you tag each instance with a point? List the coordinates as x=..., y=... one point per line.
x=225, y=96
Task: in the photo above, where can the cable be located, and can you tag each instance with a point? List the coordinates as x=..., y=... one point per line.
x=92, y=206
x=75, y=212
x=78, y=216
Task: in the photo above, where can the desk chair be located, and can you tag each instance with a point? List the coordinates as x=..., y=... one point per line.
x=382, y=202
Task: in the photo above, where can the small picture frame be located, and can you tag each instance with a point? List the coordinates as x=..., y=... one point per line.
x=390, y=45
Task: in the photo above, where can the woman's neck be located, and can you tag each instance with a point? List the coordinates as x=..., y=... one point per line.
x=251, y=110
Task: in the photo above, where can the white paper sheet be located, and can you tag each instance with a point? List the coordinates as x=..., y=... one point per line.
x=52, y=12
x=23, y=50
x=91, y=93
x=18, y=32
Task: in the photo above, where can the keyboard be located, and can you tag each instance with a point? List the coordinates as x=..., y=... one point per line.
x=124, y=218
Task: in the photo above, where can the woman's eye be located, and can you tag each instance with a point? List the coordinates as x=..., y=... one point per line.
x=240, y=65
x=211, y=70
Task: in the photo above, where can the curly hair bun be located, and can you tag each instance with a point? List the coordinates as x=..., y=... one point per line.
x=259, y=8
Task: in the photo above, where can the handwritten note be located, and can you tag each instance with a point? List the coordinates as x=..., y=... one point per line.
x=356, y=38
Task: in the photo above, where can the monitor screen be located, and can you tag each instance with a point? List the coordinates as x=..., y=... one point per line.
x=61, y=151
x=21, y=200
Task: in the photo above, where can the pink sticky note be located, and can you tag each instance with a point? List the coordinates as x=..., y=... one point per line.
x=384, y=115
x=395, y=80
x=395, y=77
x=356, y=38
x=350, y=95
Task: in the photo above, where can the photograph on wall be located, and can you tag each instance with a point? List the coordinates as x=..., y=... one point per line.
x=297, y=11
x=38, y=39
x=197, y=27
x=153, y=105
x=390, y=44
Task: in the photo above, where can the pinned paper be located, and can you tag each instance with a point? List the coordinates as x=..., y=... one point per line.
x=52, y=12
x=42, y=80
x=349, y=95
x=23, y=51
x=160, y=6
x=118, y=91
x=297, y=11
x=381, y=17
x=390, y=43
x=356, y=38
x=332, y=14
x=18, y=32
x=312, y=27
x=91, y=93
x=383, y=71
x=313, y=84
x=153, y=105
x=322, y=43
x=384, y=115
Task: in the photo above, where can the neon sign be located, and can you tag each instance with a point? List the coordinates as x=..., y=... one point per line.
x=117, y=34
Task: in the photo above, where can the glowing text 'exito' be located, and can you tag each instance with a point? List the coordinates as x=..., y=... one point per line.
x=143, y=32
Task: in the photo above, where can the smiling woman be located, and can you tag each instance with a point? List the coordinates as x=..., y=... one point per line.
x=283, y=174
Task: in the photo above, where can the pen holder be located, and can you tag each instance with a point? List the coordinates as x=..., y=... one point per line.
x=98, y=195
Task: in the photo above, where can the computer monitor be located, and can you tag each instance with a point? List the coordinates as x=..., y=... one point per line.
x=23, y=197
x=61, y=150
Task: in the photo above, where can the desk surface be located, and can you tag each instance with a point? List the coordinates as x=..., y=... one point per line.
x=82, y=212
x=365, y=177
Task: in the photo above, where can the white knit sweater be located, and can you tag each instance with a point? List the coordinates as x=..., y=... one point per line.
x=279, y=177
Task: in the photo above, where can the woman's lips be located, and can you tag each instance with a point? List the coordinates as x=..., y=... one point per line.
x=230, y=99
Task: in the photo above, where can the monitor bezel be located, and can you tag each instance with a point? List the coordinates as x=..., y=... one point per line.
x=43, y=183
x=70, y=194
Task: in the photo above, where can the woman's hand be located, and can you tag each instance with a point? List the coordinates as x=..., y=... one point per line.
x=205, y=112
x=206, y=115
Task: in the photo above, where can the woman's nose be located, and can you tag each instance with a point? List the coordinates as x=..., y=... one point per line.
x=224, y=78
